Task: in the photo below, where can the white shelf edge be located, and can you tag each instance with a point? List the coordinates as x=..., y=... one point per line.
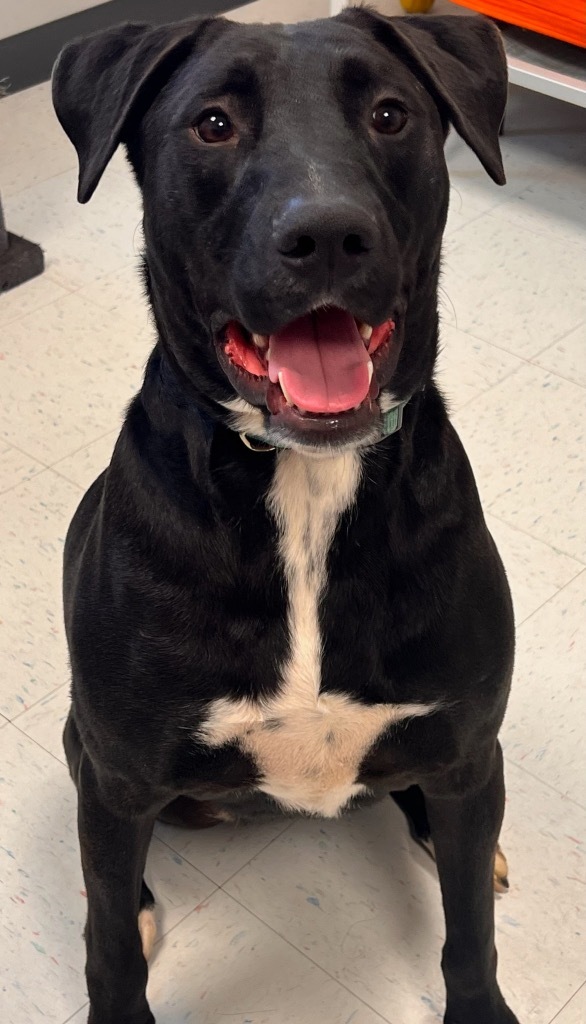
x=550, y=83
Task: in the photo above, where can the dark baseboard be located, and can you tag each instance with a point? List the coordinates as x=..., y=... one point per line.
x=27, y=58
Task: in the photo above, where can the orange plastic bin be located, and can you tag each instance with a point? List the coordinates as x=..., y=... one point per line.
x=555, y=18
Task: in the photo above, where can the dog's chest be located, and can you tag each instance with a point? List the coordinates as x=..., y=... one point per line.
x=307, y=745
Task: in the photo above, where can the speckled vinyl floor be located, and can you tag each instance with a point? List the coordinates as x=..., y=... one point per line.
x=335, y=922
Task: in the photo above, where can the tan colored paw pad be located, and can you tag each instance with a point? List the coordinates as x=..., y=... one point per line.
x=501, y=872
x=148, y=931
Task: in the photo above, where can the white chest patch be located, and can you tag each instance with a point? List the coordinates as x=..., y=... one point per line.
x=307, y=745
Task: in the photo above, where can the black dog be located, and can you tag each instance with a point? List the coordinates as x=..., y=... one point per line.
x=287, y=556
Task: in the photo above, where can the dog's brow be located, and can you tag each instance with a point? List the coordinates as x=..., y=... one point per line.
x=238, y=79
x=356, y=71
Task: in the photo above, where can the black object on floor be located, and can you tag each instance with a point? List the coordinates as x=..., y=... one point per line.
x=19, y=259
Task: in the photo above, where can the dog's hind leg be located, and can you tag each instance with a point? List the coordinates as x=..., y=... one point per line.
x=185, y=812
x=412, y=802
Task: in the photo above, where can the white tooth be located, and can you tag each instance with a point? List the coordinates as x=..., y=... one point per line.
x=260, y=340
x=288, y=398
x=365, y=331
x=370, y=370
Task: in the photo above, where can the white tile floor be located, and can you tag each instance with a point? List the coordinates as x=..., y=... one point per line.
x=338, y=922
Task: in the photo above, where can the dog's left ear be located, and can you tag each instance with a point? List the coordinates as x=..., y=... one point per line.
x=461, y=60
x=100, y=86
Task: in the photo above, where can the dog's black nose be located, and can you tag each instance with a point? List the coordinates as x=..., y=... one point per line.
x=332, y=236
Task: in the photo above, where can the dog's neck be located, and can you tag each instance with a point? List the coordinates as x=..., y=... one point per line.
x=163, y=388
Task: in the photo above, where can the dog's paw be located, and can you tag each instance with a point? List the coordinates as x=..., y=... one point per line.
x=506, y=1017
x=501, y=872
x=476, y=1015
x=97, y=1017
x=147, y=927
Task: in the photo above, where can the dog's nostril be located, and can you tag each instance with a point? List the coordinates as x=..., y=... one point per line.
x=353, y=245
x=304, y=246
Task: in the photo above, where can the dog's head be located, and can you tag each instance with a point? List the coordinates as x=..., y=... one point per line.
x=295, y=194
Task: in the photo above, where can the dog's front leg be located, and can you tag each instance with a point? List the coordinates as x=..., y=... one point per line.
x=113, y=854
x=465, y=828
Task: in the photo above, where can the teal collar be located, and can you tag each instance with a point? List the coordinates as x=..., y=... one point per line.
x=391, y=422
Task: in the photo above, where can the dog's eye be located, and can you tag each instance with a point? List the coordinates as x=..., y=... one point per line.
x=389, y=117
x=214, y=126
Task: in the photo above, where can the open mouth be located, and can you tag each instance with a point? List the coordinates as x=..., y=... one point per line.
x=324, y=366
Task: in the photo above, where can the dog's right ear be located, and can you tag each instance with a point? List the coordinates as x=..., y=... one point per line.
x=462, y=63
x=99, y=80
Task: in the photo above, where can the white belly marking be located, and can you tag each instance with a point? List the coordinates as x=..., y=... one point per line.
x=307, y=746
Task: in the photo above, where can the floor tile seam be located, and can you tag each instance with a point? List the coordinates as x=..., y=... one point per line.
x=225, y=881
x=510, y=762
x=500, y=199
x=527, y=359
x=286, y=828
x=38, y=309
x=555, y=232
x=51, y=464
x=45, y=750
x=104, y=370
x=73, y=286
x=556, y=342
x=559, y=590
x=202, y=903
x=45, y=696
x=9, y=196
x=555, y=373
x=570, y=1000
x=489, y=507
x=178, y=853
x=26, y=454
x=450, y=232
x=76, y=451
x=114, y=312
x=74, y=1014
x=304, y=954
x=475, y=398
x=323, y=970
x=62, y=476
x=25, y=480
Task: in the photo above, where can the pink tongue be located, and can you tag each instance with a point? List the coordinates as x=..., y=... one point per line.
x=322, y=361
